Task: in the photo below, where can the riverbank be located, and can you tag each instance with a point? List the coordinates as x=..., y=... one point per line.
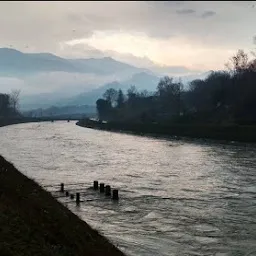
x=18, y=120
x=32, y=222
x=5, y=122
x=237, y=133
x=11, y=121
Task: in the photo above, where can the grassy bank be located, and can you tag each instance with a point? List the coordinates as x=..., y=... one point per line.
x=33, y=223
x=239, y=133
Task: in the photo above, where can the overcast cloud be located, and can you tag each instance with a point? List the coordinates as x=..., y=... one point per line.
x=200, y=35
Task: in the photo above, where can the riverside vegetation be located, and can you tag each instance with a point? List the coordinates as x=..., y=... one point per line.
x=222, y=106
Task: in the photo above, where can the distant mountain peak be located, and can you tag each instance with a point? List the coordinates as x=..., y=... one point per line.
x=9, y=50
x=109, y=58
x=46, y=54
x=143, y=74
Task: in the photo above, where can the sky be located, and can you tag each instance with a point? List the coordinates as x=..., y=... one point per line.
x=196, y=35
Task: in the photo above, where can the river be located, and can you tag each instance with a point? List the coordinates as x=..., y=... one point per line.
x=176, y=197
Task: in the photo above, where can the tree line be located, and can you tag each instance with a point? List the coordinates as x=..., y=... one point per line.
x=9, y=104
x=223, y=97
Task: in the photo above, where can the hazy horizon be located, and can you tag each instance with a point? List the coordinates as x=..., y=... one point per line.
x=177, y=38
x=71, y=82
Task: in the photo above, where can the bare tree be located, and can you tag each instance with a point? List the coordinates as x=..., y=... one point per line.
x=132, y=92
x=238, y=63
x=120, y=99
x=169, y=93
x=14, y=99
x=110, y=95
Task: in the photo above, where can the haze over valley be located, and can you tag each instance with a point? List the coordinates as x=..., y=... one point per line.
x=46, y=79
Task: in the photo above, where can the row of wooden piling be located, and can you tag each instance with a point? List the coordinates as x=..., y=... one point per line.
x=96, y=186
x=72, y=196
x=106, y=189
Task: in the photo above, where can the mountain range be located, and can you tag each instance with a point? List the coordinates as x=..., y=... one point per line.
x=46, y=79
x=16, y=63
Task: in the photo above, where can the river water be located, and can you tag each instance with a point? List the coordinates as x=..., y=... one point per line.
x=176, y=197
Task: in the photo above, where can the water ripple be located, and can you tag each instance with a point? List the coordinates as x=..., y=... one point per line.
x=179, y=197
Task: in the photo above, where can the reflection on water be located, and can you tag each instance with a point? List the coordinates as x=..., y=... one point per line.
x=177, y=197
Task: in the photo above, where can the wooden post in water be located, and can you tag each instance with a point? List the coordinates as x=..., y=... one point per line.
x=62, y=187
x=95, y=185
x=108, y=190
x=77, y=198
x=71, y=196
x=67, y=193
x=102, y=187
x=115, y=194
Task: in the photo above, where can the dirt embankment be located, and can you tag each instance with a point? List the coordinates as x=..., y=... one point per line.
x=33, y=223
